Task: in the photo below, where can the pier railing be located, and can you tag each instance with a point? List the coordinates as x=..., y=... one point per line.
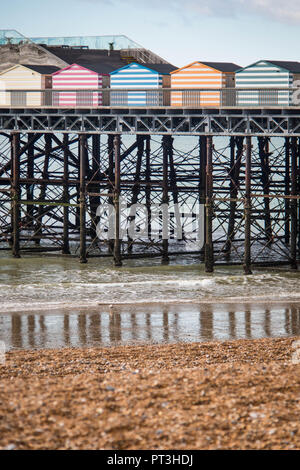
x=149, y=97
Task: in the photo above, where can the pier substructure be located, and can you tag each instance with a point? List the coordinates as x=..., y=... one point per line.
x=60, y=193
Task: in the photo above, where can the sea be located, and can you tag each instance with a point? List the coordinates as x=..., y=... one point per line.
x=54, y=301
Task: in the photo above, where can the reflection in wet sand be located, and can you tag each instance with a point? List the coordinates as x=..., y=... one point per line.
x=131, y=324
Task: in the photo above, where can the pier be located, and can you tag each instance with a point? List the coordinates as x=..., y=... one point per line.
x=57, y=166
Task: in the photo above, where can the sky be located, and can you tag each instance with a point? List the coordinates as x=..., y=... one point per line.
x=181, y=31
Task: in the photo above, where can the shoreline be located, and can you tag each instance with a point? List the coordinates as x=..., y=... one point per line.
x=233, y=301
x=241, y=394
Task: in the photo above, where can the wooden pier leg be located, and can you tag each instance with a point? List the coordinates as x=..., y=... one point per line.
x=247, y=208
x=209, y=250
x=293, y=252
x=16, y=193
x=82, y=198
x=287, y=191
x=117, y=185
x=66, y=197
x=165, y=198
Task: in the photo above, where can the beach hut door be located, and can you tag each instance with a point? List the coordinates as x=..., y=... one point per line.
x=18, y=98
x=84, y=98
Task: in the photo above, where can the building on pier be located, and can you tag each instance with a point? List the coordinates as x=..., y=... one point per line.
x=269, y=76
x=81, y=79
x=22, y=78
x=63, y=51
x=135, y=76
x=205, y=76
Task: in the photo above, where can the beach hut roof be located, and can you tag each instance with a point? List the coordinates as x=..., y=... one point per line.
x=162, y=69
x=293, y=67
x=227, y=67
x=103, y=67
x=42, y=69
x=223, y=66
x=100, y=68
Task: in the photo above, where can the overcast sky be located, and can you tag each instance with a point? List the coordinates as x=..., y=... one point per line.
x=240, y=31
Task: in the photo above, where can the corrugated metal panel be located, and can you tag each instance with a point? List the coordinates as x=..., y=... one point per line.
x=135, y=76
x=21, y=78
x=197, y=75
x=76, y=77
x=263, y=74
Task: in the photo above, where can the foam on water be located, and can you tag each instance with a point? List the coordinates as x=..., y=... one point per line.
x=35, y=283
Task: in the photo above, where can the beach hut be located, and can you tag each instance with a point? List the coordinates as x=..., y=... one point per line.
x=206, y=76
x=82, y=78
x=144, y=76
x=21, y=78
x=269, y=76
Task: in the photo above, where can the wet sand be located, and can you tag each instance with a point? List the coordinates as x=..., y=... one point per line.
x=131, y=324
x=241, y=394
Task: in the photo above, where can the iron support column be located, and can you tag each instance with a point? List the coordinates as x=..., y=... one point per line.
x=247, y=208
x=202, y=177
x=15, y=150
x=287, y=191
x=209, y=250
x=110, y=149
x=66, y=198
x=293, y=252
x=117, y=241
x=165, y=198
x=82, y=196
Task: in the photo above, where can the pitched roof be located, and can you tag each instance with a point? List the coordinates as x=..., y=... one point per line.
x=42, y=69
x=102, y=67
x=222, y=66
x=163, y=69
x=293, y=67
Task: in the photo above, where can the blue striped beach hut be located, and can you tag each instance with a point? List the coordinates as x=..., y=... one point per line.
x=269, y=76
x=134, y=75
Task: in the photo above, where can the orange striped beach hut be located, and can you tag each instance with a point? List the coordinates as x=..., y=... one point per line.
x=206, y=76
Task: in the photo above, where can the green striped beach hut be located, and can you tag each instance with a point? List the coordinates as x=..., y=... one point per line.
x=269, y=76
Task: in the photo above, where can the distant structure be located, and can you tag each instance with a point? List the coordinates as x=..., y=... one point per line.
x=63, y=51
x=79, y=77
x=204, y=75
x=267, y=76
x=31, y=77
x=135, y=76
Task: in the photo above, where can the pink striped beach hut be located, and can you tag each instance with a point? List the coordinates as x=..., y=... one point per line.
x=82, y=78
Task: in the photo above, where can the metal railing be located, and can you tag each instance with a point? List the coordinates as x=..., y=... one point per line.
x=163, y=97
